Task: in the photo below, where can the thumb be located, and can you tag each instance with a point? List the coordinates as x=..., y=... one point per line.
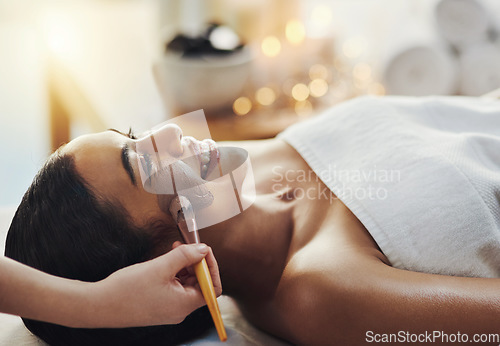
x=185, y=255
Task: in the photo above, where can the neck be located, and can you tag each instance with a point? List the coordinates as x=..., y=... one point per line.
x=252, y=248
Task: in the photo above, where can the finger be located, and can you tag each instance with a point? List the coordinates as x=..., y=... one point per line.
x=188, y=270
x=214, y=272
x=184, y=256
x=193, y=298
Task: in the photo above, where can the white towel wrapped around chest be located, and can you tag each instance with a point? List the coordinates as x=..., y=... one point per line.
x=422, y=175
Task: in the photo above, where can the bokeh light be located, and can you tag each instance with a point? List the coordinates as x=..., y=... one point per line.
x=295, y=32
x=265, y=96
x=300, y=92
x=320, y=21
x=322, y=15
x=318, y=71
x=318, y=87
x=271, y=46
x=242, y=105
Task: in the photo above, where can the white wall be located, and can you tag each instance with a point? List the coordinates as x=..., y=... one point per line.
x=24, y=136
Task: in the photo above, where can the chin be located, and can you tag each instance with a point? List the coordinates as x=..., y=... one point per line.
x=233, y=192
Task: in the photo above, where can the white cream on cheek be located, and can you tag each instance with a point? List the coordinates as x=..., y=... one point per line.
x=214, y=200
x=187, y=184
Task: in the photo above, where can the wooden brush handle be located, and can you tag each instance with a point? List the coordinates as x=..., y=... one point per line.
x=207, y=288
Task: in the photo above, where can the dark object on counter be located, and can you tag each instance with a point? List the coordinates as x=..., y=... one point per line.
x=216, y=39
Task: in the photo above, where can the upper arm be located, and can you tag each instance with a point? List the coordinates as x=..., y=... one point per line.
x=363, y=295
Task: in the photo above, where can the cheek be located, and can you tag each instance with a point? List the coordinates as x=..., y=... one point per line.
x=143, y=208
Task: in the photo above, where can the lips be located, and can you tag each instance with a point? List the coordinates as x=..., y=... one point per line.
x=214, y=157
x=208, y=155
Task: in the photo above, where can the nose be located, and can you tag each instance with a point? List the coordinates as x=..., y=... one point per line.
x=168, y=138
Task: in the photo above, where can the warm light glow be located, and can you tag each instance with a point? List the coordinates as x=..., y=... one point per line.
x=295, y=32
x=341, y=65
x=300, y=92
x=61, y=34
x=341, y=91
x=318, y=71
x=362, y=71
x=303, y=108
x=265, y=96
x=288, y=86
x=242, y=105
x=361, y=85
x=271, y=46
x=354, y=47
x=318, y=87
x=320, y=20
x=376, y=89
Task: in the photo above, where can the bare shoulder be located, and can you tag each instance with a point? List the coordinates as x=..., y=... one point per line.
x=338, y=286
x=312, y=301
x=339, y=299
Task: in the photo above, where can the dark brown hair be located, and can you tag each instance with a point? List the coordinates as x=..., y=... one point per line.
x=63, y=229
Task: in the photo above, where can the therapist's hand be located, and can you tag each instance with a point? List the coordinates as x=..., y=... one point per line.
x=160, y=291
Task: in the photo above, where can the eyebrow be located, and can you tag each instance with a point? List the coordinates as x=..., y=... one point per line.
x=126, y=163
x=119, y=132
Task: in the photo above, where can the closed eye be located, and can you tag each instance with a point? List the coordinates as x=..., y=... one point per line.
x=126, y=163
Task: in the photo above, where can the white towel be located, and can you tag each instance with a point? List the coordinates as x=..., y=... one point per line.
x=462, y=22
x=414, y=61
x=479, y=68
x=422, y=175
x=420, y=70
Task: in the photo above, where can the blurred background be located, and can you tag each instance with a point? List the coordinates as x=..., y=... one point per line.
x=255, y=67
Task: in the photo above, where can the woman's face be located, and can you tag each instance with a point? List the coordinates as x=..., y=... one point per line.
x=107, y=162
x=121, y=168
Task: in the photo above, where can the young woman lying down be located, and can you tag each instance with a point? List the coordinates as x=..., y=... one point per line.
x=380, y=215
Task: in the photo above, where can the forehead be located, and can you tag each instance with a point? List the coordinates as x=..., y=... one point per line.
x=86, y=143
x=98, y=159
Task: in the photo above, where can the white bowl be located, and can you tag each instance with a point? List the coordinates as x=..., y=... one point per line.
x=211, y=82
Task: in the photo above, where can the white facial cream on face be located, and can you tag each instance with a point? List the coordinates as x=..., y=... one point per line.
x=218, y=182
